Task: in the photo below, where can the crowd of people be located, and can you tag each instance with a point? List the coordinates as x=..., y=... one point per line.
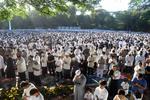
x=120, y=59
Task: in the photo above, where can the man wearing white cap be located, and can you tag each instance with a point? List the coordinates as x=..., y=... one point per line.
x=79, y=85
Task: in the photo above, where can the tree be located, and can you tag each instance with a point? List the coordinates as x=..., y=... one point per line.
x=11, y=8
x=140, y=4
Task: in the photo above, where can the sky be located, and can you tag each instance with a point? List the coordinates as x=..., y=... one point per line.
x=115, y=5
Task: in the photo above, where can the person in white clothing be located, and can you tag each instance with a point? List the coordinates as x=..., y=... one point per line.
x=44, y=59
x=37, y=58
x=100, y=67
x=125, y=86
x=26, y=88
x=129, y=59
x=90, y=61
x=77, y=51
x=58, y=70
x=35, y=95
x=21, y=67
x=30, y=68
x=37, y=72
x=139, y=58
x=88, y=94
x=101, y=92
x=2, y=65
x=138, y=69
x=66, y=66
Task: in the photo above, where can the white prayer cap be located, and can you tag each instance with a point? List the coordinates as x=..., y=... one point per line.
x=78, y=72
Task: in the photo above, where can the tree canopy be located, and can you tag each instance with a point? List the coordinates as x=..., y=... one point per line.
x=55, y=13
x=12, y=8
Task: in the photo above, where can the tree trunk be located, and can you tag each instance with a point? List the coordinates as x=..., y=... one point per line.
x=9, y=25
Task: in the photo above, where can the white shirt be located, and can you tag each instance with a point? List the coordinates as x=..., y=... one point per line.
x=137, y=70
x=67, y=62
x=77, y=51
x=38, y=59
x=2, y=65
x=102, y=94
x=21, y=65
x=59, y=64
x=89, y=96
x=14, y=54
x=129, y=60
x=40, y=97
x=26, y=91
x=90, y=61
x=37, y=70
x=44, y=60
x=139, y=58
x=125, y=86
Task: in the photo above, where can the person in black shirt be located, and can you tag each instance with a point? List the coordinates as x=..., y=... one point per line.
x=147, y=74
x=51, y=64
x=10, y=70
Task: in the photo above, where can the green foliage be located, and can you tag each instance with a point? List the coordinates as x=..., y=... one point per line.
x=56, y=13
x=140, y=4
x=16, y=94
x=10, y=9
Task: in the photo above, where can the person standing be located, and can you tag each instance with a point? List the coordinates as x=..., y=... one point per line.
x=30, y=68
x=147, y=73
x=51, y=64
x=100, y=67
x=138, y=69
x=21, y=67
x=2, y=65
x=129, y=61
x=44, y=64
x=66, y=66
x=79, y=85
x=114, y=75
x=101, y=92
x=59, y=64
x=10, y=70
x=37, y=72
x=90, y=68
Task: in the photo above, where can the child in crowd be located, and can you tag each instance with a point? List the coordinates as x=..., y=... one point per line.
x=88, y=94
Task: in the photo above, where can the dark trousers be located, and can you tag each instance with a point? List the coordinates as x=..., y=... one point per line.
x=113, y=88
x=2, y=73
x=37, y=80
x=90, y=71
x=66, y=73
x=147, y=78
x=22, y=76
x=10, y=73
x=44, y=71
x=31, y=77
x=51, y=68
x=59, y=76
